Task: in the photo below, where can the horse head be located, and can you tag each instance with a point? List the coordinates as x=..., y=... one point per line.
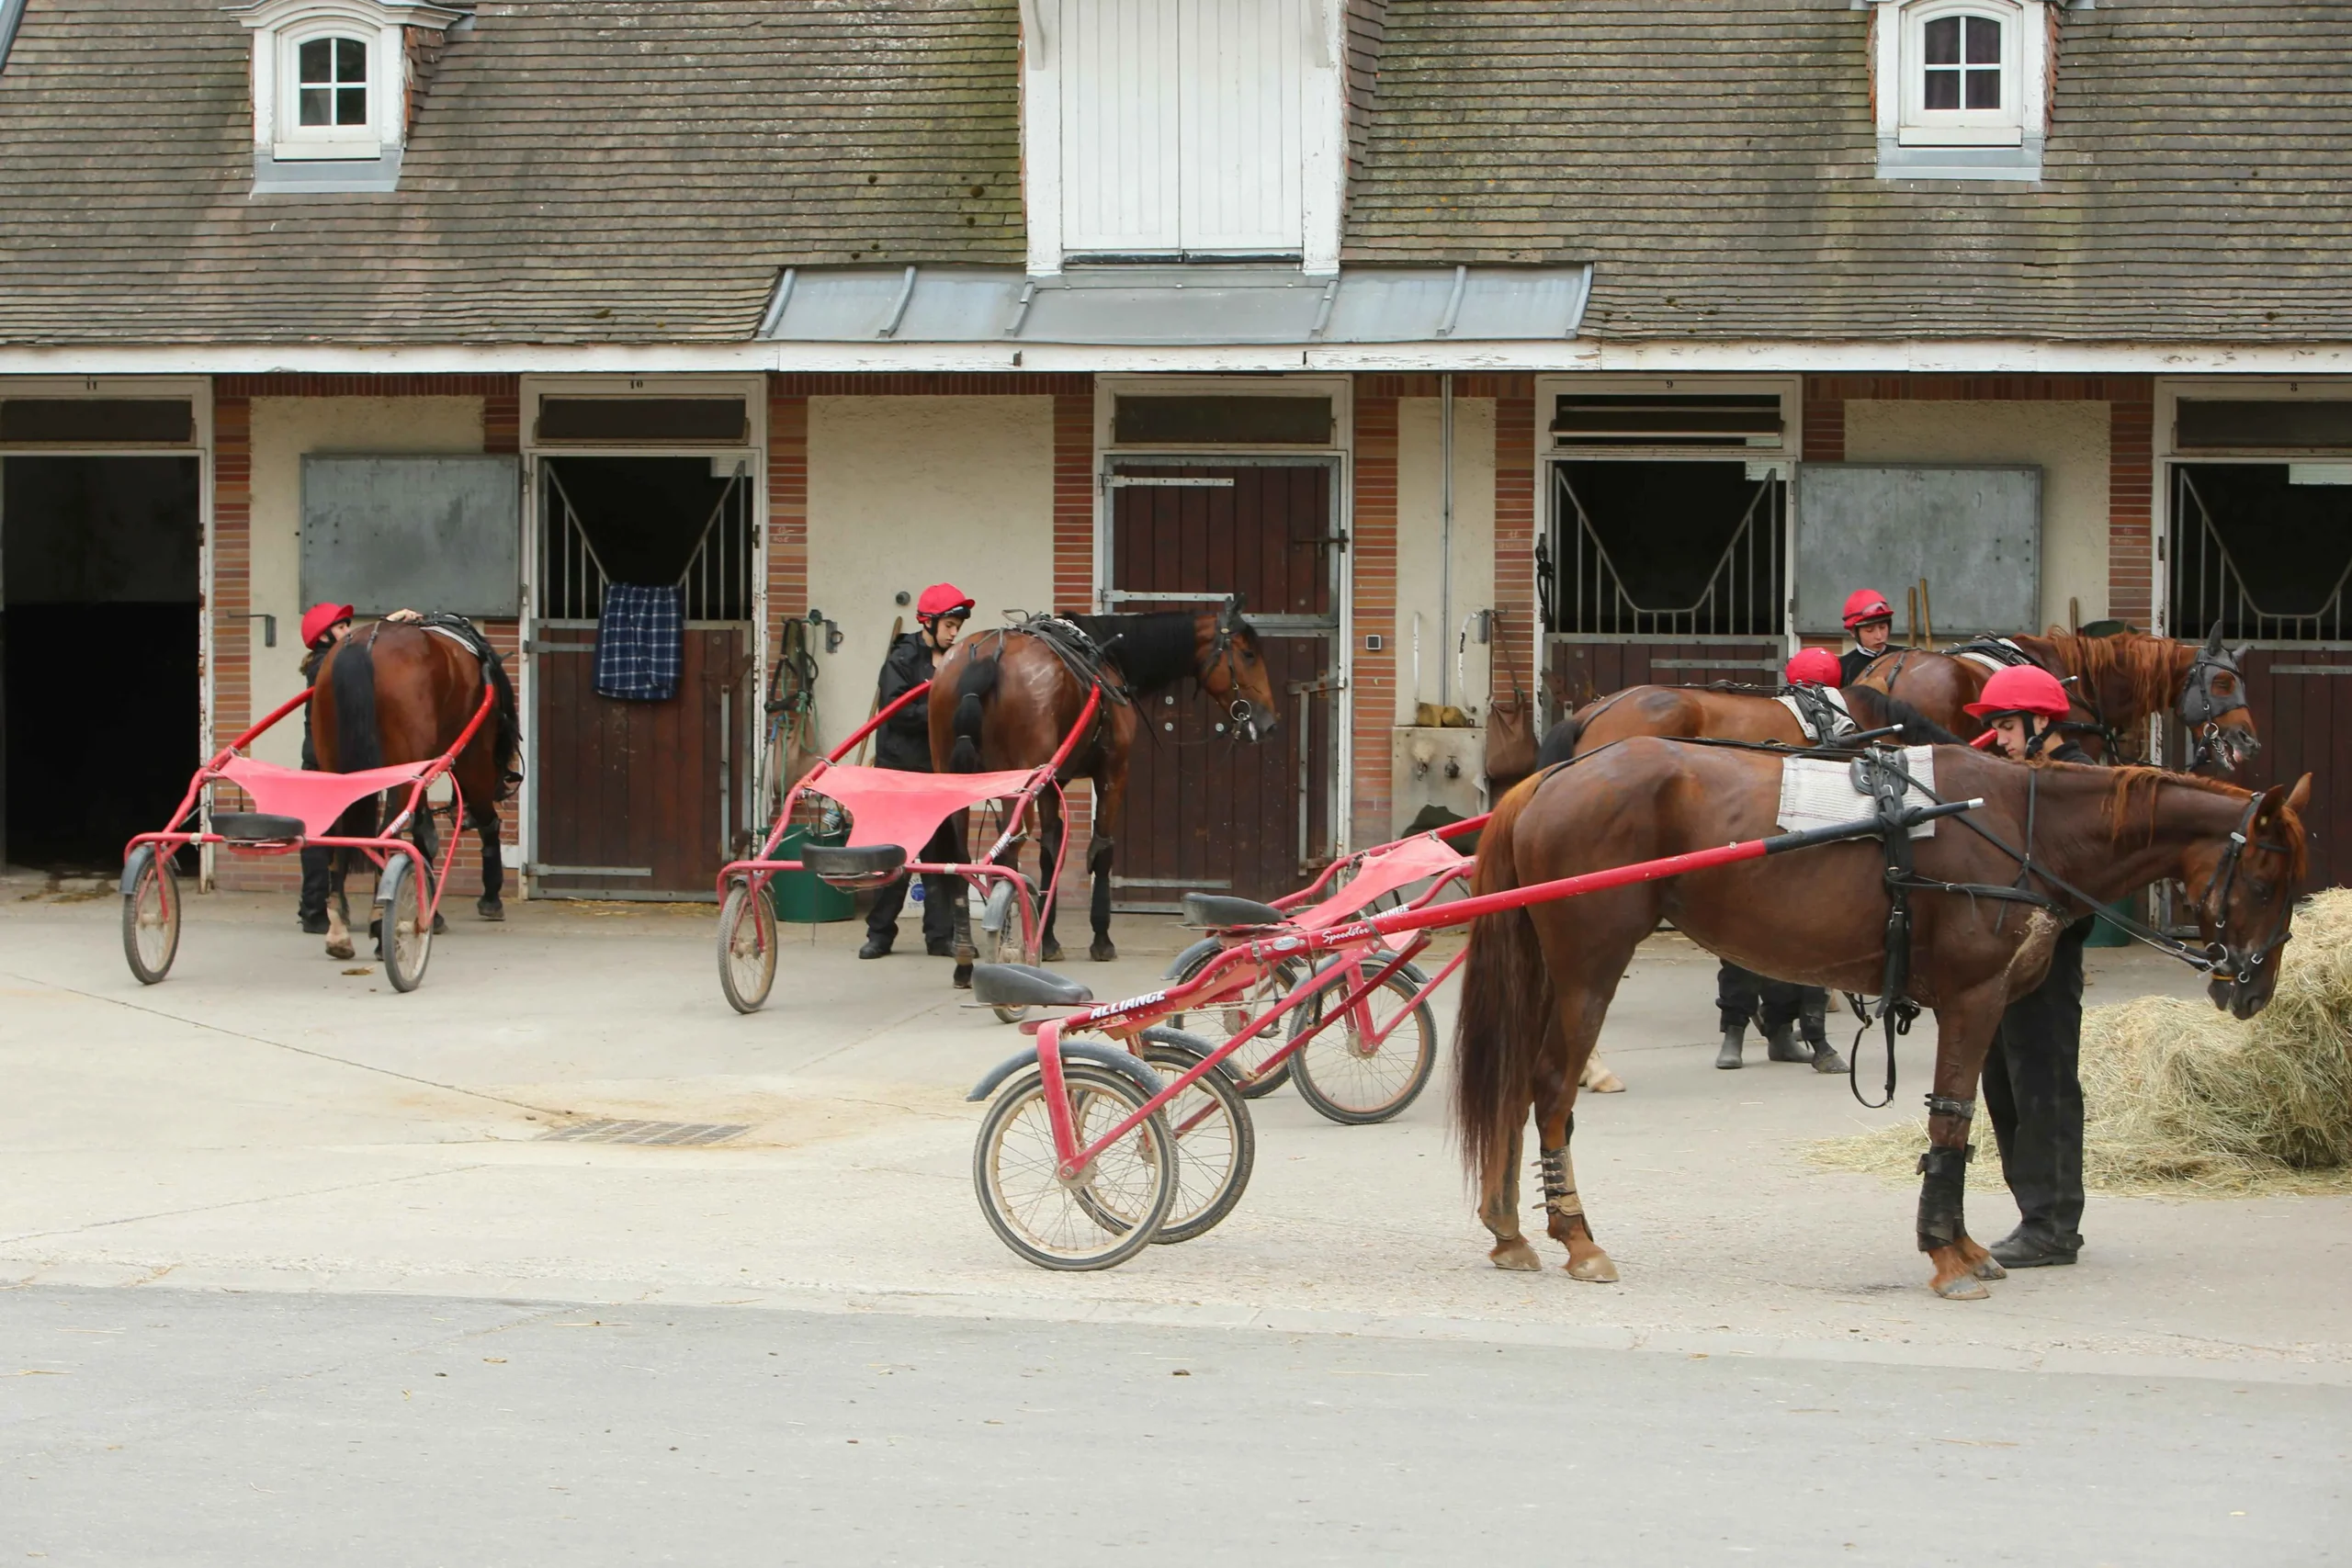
x=1233, y=671
x=2246, y=909
x=2212, y=706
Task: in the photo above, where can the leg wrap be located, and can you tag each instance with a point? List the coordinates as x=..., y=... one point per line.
x=1942, y=1187
x=1559, y=1182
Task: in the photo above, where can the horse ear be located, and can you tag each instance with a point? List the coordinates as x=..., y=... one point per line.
x=2213, y=640
x=2237, y=654
x=2300, y=796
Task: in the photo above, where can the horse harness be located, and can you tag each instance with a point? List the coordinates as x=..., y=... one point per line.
x=1088, y=661
x=2199, y=710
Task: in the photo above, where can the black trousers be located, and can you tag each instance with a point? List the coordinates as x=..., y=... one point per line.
x=2034, y=1093
x=940, y=893
x=1742, y=995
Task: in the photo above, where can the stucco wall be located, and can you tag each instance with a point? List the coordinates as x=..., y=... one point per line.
x=284, y=429
x=1419, y=575
x=2068, y=440
x=907, y=491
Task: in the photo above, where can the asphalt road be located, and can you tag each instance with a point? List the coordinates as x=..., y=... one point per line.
x=157, y=1426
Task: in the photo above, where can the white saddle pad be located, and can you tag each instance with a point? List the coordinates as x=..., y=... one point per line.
x=1817, y=793
x=1845, y=725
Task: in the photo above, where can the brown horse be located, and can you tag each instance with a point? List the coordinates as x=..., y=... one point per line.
x=1540, y=979
x=2117, y=683
x=393, y=693
x=1006, y=697
x=1684, y=712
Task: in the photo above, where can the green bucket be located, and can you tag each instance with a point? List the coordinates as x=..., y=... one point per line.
x=2105, y=934
x=800, y=896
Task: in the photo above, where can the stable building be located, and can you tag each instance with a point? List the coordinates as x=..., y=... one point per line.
x=1480, y=350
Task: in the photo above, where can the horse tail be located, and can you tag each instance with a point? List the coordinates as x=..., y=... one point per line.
x=972, y=691
x=1506, y=1002
x=352, y=675
x=506, y=741
x=1560, y=742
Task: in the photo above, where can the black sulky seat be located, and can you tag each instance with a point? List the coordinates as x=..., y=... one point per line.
x=866, y=865
x=256, y=828
x=1024, y=986
x=1217, y=912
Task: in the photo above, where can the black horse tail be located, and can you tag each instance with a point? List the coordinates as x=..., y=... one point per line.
x=972, y=691
x=1507, y=1008
x=352, y=677
x=1874, y=709
x=506, y=736
x=1560, y=742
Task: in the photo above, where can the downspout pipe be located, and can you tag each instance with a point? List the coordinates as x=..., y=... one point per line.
x=1444, y=530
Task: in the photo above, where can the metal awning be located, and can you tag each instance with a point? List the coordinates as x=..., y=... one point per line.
x=1200, y=305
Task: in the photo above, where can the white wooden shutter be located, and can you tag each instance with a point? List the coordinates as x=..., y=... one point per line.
x=1243, y=66
x=1117, y=60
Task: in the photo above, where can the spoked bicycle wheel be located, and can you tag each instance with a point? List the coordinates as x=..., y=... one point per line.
x=746, y=947
x=1107, y=1214
x=1005, y=948
x=1215, y=1144
x=1220, y=1022
x=150, y=920
x=1356, y=1077
x=407, y=932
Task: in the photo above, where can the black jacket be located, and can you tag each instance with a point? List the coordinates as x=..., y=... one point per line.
x=904, y=742
x=1854, y=661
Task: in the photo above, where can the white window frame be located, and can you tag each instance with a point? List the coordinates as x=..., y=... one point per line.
x=280, y=27
x=1899, y=66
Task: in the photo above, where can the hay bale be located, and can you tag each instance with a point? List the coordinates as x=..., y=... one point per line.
x=2183, y=1100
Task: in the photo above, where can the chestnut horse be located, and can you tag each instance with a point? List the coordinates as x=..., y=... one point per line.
x=1540, y=979
x=395, y=692
x=1006, y=697
x=1684, y=712
x=2117, y=683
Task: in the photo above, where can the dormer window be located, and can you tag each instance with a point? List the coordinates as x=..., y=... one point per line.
x=332, y=83
x=1962, y=87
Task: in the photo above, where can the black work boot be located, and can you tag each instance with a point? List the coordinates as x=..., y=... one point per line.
x=1781, y=1044
x=2035, y=1245
x=877, y=944
x=1735, y=1036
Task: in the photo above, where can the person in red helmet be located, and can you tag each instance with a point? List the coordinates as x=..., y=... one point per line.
x=1794, y=1018
x=1871, y=618
x=324, y=626
x=904, y=743
x=2033, y=1085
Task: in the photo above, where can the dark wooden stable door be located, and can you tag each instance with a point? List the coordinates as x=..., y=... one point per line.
x=2301, y=699
x=1204, y=811
x=632, y=795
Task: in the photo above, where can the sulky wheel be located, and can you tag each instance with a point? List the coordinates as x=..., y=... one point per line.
x=1111, y=1211
x=1343, y=1072
x=1215, y=1144
x=151, y=917
x=1005, y=948
x=746, y=946
x=406, y=941
x=1220, y=1022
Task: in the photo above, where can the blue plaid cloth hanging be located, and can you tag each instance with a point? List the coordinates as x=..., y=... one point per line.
x=640, y=642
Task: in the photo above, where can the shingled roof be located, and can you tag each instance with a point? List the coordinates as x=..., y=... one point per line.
x=1715, y=159
x=609, y=171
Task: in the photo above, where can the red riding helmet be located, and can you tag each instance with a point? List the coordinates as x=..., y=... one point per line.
x=1815, y=667
x=1867, y=604
x=2020, y=689
x=319, y=619
x=942, y=599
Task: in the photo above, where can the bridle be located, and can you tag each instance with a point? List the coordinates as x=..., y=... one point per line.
x=1226, y=649
x=2201, y=712
x=2214, y=907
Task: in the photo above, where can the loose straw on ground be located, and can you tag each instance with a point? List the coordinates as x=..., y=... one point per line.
x=2183, y=1101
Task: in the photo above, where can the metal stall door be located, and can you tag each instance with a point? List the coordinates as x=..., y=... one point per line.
x=640, y=799
x=1204, y=810
x=1635, y=599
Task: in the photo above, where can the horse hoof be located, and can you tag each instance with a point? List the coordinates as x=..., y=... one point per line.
x=1051, y=953
x=1989, y=1268
x=440, y=923
x=340, y=949
x=1594, y=1268
x=1103, y=951
x=1607, y=1083
x=491, y=909
x=1518, y=1255
x=1967, y=1288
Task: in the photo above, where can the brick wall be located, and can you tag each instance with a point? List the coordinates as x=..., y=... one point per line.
x=1372, y=683
x=2131, y=402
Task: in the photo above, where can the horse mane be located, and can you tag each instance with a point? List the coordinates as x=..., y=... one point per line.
x=1152, y=651
x=2149, y=669
x=2131, y=802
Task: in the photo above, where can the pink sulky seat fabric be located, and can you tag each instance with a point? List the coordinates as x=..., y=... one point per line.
x=887, y=806
x=1383, y=871
x=315, y=799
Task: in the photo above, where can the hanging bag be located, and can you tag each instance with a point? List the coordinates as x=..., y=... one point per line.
x=1510, y=724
